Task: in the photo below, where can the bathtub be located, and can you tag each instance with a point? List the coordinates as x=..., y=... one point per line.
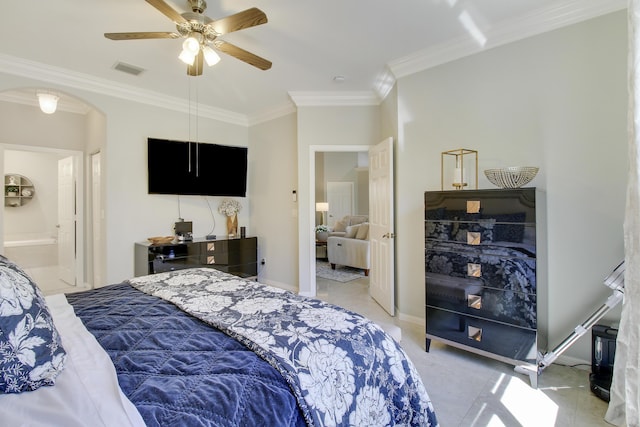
x=30, y=242
x=32, y=251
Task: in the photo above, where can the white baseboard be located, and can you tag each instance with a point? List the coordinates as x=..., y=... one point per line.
x=420, y=321
x=280, y=285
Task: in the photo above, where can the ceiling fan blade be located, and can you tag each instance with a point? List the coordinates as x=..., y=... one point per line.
x=243, y=55
x=167, y=10
x=198, y=64
x=248, y=18
x=142, y=35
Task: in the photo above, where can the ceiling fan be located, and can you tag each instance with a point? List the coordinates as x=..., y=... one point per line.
x=201, y=34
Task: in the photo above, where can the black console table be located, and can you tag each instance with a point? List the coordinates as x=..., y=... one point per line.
x=234, y=256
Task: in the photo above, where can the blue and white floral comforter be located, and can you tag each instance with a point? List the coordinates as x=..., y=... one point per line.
x=342, y=368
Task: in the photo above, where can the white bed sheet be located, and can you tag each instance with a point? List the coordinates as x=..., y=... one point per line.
x=86, y=392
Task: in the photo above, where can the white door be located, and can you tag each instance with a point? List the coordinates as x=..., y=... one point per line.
x=381, y=237
x=96, y=219
x=66, y=221
x=340, y=199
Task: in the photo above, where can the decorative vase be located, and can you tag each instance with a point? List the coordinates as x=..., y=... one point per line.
x=232, y=225
x=321, y=236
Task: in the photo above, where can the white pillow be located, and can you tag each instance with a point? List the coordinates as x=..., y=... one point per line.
x=351, y=231
x=340, y=225
x=357, y=219
x=363, y=231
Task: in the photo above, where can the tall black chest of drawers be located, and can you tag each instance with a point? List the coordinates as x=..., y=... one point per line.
x=481, y=272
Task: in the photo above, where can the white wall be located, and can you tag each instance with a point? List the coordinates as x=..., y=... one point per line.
x=557, y=101
x=341, y=167
x=274, y=214
x=318, y=127
x=27, y=125
x=33, y=218
x=95, y=138
x=130, y=213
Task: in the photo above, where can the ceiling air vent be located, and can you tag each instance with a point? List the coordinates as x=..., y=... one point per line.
x=128, y=68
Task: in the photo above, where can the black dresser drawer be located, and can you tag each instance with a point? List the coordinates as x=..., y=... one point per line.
x=470, y=297
x=492, y=337
x=503, y=205
x=216, y=252
x=496, y=267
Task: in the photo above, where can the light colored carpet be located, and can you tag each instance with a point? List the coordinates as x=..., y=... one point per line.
x=340, y=274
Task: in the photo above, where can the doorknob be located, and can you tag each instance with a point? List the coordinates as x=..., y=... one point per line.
x=388, y=235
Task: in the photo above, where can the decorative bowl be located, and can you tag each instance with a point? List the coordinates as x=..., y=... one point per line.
x=159, y=240
x=511, y=177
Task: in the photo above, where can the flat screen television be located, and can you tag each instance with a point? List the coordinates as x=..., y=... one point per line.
x=196, y=168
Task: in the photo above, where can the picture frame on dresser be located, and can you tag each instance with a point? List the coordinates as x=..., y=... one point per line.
x=483, y=287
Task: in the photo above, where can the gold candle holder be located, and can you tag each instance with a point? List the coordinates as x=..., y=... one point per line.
x=459, y=174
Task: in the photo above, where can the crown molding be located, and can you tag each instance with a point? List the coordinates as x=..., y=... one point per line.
x=67, y=78
x=563, y=13
x=384, y=83
x=334, y=99
x=272, y=113
x=560, y=15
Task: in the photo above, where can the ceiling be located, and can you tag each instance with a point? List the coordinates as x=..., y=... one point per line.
x=339, y=49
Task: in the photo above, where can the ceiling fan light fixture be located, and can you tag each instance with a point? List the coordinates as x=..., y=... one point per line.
x=210, y=56
x=48, y=102
x=187, y=57
x=192, y=43
x=199, y=31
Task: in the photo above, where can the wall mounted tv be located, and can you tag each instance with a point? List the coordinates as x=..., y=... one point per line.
x=195, y=168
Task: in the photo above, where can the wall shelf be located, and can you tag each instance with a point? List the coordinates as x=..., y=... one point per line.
x=18, y=190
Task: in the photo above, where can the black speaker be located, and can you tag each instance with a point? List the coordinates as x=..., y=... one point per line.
x=603, y=351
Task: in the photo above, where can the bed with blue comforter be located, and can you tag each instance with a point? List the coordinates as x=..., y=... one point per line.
x=176, y=369
x=199, y=347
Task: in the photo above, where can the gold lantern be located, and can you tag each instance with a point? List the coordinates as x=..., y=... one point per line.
x=458, y=164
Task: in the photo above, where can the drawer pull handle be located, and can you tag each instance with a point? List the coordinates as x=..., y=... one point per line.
x=474, y=333
x=474, y=270
x=339, y=244
x=473, y=206
x=473, y=238
x=474, y=301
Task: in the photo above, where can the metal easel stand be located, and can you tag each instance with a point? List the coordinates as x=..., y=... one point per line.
x=615, y=281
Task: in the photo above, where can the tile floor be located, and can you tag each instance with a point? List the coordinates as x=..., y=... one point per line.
x=470, y=390
x=47, y=280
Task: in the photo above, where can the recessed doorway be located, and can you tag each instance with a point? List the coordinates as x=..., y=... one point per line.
x=33, y=234
x=340, y=179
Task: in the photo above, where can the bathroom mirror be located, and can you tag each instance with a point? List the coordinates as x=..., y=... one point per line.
x=18, y=190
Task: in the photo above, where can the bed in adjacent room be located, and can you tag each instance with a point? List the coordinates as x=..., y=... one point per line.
x=197, y=347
